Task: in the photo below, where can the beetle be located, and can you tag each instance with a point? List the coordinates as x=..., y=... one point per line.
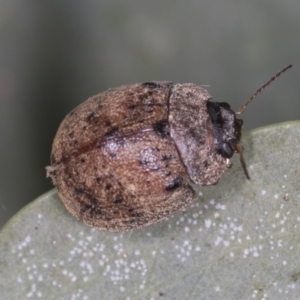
x=124, y=159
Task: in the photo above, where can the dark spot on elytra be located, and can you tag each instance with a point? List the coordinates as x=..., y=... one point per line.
x=108, y=186
x=118, y=200
x=174, y=184
x=162, y=128
x=71, y=134
x=64, y=159
x=119, y=184
x=166, y=157
x=130, y=221
x=168, y=173
x=111, y=132
x=90, y=206
x=112, y=154
x=138, y=215
x=98, y=179
x=151, y=85
x=79, y=191
x=205, y=164
x=130, y=210
x=90, y=117
x=133, y=106
x=82, y=160
x=106, y=218
x=95, y=211
x=148, y=109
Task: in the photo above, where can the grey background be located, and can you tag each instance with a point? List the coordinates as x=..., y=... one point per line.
x=55, y=54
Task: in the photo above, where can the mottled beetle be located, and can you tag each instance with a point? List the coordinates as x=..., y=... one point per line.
x=124, y=159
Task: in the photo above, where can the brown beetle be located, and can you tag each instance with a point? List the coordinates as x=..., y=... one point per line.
x=124, y=159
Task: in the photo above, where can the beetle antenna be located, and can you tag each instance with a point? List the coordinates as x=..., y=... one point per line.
x=239, y=149
x=241, y=110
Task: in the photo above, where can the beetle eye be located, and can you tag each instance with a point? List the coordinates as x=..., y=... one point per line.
x=226, y=150
x=240, y=122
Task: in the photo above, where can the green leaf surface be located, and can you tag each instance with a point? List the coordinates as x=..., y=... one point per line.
x=239, y=240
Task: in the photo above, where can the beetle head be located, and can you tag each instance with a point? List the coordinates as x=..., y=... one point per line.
x=227, y=128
